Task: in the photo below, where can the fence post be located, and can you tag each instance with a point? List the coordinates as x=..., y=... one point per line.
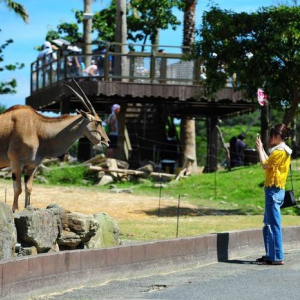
x=106, y=63
x=152, y=66
x=197, y=71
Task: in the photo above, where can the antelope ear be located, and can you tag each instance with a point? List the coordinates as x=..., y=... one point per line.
x=86, y=115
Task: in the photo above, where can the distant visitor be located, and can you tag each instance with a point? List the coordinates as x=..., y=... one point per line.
x=236, y=148
x=112, y=128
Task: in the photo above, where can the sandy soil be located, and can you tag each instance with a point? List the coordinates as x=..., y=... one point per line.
x=89, y=201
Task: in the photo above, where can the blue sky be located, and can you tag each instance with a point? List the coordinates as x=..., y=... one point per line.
x=45, y=15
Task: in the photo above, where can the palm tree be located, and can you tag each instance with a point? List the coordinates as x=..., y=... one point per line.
x=120, y=36
x=18, y=8
x=187, y=126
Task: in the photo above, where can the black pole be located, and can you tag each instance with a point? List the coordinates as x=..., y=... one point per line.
x=215, y=184
x=158, y=213
x=178, y=210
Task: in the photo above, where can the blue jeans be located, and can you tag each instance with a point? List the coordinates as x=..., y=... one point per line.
x=272, y=230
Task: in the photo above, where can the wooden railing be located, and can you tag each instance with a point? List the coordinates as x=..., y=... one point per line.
x=140, y=67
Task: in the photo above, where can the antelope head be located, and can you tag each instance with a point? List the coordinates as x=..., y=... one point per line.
x=94, y=131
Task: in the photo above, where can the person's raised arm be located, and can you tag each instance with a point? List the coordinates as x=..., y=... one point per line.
x=261, y=152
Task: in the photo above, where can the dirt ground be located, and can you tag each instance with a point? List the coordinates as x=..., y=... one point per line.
x=89, y=201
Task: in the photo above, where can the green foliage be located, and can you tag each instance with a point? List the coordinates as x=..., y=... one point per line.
x=2, y=108
x=248, y=124
x=8, y=87
x=18, y=8
x=74, y=149
x=142, y=21
x=71, y=175
x=261, y=48
x=145, y=21
x=104, y=22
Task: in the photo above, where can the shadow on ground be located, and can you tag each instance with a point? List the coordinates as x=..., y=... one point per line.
x=171, y=211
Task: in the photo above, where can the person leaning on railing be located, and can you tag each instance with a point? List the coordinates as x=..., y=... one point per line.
x=45, y=59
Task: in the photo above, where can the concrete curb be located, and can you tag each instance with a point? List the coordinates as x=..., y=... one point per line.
x=70, y=268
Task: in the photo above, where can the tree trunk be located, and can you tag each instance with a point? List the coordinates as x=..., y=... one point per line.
x=187, y=138
x=87, y=32
x=189, y=22
x=212, y=145
x=187, y=126
x=121, y=38
x=85, y=147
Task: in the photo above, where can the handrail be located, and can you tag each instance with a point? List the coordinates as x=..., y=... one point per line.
x=139, y=67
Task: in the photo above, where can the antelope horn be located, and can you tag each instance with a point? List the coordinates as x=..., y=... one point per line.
x=79, y=97
x=91, y=108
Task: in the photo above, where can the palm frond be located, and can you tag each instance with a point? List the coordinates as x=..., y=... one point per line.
x=18, y=8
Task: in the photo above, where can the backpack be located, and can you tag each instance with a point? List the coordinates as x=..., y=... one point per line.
x=107, y=125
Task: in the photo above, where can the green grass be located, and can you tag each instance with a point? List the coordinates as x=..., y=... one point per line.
x=225, y=201
x=166, y=228
x=70, y=175
x=240, y=191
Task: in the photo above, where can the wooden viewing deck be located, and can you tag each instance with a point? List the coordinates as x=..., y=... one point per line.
x=154, y=77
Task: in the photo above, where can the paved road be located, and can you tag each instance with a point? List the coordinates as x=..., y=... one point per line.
x=233, y=280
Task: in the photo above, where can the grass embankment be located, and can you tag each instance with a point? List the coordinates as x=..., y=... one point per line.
x=216, y=202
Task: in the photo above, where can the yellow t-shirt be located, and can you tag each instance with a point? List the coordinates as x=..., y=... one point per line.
x=277, y=168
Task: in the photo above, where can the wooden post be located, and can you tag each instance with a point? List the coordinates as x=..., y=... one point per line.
x=131, y=68
x=163, y=70
x=120, y=154
x=212, y=145
x=106, y=63
x=152, y=66
x=65, y=106
x=31, y=80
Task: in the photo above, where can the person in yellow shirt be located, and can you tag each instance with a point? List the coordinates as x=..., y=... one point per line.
x=276, y=168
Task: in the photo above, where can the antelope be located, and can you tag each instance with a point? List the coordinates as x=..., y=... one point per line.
x=27, y=137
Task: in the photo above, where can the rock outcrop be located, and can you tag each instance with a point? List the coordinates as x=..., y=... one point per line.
x=107, y=233
x=78, y=229
x=37, y=227
x=8, y=233
x=53, y=229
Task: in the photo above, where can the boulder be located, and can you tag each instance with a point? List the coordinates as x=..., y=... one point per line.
x=59, y=213
x=77, y=230
x=147, y=169
x=8, y=233
x=108, y=233
x=37, y=227
x=106, y=179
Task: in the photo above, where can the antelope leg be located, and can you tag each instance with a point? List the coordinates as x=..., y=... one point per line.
x=28, y=179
